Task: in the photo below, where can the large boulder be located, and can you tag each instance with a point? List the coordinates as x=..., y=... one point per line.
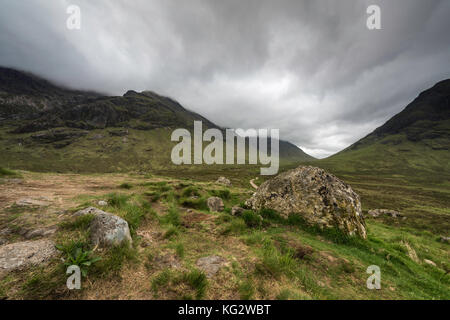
x=215, y=204
x=23, y=254
x=319, y=197
x=107, y=229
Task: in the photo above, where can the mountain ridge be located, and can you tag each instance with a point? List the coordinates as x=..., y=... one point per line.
x=39, y=116
x=415, y=139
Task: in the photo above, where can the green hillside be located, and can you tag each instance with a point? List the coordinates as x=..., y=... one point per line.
x=47, y=128
x=414, y=143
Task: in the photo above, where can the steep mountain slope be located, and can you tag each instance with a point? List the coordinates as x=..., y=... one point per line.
x=415, y=140
x=46, y=127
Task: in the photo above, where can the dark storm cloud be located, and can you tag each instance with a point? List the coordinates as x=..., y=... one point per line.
x=310, y=68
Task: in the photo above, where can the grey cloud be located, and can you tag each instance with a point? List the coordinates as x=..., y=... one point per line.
x=310, y=68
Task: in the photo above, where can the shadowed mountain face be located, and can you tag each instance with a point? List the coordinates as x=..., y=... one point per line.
x=426, y=119
x=41, y=105
x=40, y=118
x=417, y=138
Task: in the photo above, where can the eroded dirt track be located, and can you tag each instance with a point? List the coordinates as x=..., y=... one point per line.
x=59, y=190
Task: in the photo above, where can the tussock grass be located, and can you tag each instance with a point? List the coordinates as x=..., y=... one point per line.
x=114, y=259
x=80, y=223
x=196, y=280
x=7, y=173
x=126, y=185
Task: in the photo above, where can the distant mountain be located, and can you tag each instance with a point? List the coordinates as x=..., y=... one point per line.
x=417, y=138
x=47, y=127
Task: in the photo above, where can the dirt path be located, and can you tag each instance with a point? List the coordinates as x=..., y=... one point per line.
x=57, y=189
x=252, y=183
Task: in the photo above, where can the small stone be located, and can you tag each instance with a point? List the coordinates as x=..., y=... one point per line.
x=445, y=239
x=3, y=241
x=167, y=260
x=102, y=203
x=145, y=243
x=237, y=211
x=224, y=181
x=41, y=232
x=210, y=265
x=215, y=204
x=375, y=213
x=109, y=230
x=5, y=232
x=96, y=137
x=29, y=202
x=431, y=263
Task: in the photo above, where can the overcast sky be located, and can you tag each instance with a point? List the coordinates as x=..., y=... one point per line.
x=310, y=68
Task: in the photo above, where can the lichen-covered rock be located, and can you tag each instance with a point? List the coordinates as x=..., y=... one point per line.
x=224, y=181
x=215, y=204
x=109, y=230
x=106, y=229
x=319, y=197
x=22, y=254
x=88, y=210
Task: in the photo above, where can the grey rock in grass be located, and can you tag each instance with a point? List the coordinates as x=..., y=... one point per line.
x=210, y=265
x=237, y=211
x=30, y=202
x=40, y=232
x=224, y=181
x=445, y=239
x=109, y=230
x=88, y=210
x=317, y=196
x=375, y=213
x=215, y=204
x=5, y=232
x=106, y=229
x=102, y=203
x=22, y=254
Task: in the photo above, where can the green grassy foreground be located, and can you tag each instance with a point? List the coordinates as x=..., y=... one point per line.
x=275, y=259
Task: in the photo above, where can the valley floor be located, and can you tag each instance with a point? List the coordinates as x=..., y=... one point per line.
x=172, y=230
